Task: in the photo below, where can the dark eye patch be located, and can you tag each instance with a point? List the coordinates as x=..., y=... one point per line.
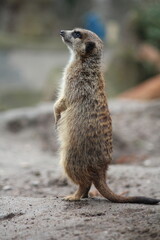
x=77, y=34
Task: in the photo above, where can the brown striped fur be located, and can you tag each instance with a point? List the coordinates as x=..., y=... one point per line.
x=83, y=119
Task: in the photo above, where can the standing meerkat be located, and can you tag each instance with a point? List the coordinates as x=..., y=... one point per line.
x=83, y=119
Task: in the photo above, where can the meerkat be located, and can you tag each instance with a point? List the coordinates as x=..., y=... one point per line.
x=83, y=119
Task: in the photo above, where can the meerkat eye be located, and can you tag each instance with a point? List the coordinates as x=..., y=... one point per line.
x=77, y=34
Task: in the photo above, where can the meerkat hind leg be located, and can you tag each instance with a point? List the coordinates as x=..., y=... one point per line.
x=85, y=195
x=81, y=192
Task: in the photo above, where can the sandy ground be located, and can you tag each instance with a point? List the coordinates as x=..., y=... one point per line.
x=51, y=218
x=32, y=187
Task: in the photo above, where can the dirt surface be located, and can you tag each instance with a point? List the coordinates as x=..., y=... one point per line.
x=32, y=185
x=52, y=218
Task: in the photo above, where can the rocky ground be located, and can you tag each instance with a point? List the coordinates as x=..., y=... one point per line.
x=32, y=185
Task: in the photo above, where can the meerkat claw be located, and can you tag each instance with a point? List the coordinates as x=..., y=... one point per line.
x=71, y=198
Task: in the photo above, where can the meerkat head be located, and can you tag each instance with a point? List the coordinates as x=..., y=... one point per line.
x=82, y=42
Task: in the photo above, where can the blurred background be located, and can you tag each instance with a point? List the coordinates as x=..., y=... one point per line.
x=32, y=55
x=32, y=59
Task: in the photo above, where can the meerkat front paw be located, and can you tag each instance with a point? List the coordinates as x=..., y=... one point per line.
x=72, y=198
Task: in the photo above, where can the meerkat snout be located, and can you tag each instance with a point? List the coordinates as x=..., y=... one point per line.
x=62, y=33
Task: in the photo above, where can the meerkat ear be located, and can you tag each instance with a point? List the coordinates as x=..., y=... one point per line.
x=90, y=46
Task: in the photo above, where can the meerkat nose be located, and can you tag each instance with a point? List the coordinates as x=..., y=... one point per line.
x=62, y=32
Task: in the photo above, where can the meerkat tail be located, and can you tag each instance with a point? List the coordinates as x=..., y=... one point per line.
x=106, y=192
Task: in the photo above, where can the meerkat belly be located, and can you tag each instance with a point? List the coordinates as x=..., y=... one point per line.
x=83, y=146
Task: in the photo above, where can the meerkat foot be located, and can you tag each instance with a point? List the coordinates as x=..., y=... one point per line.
x=72, y=197
x=80, y=193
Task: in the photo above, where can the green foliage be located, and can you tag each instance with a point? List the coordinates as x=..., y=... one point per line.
x=11, y=41
x=52, y=84
x=19, y=98
x=146, y=70
x=122, y=73
x=126, y=71
x=40, y=18
x=147, y=24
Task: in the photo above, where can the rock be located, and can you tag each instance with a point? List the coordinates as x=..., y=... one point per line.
x=7, y=188
x=35, y=183
x=36, y=173
x=10, y=215
x=25, y=164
